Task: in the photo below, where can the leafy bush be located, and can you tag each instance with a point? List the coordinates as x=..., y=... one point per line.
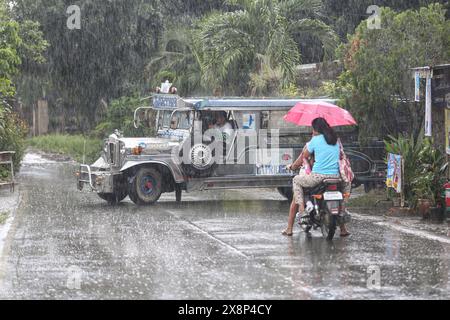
x=429, y=183
x=12, y=134
x=423, y=170
x=120, y=115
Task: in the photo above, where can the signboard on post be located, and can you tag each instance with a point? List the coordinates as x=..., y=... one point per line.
x=428, y=111
x=417, y=87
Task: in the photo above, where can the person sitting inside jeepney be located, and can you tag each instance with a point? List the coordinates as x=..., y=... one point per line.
x=326, y=150
x=223, y=125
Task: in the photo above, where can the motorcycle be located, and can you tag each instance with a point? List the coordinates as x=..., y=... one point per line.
x=324, y=208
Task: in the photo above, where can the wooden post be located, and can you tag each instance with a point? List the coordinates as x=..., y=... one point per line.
x=402, y=194
x=34, y=120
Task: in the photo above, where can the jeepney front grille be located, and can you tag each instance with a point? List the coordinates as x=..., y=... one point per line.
x=112, y=153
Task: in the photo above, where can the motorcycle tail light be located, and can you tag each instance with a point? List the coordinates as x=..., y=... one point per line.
x=332, y=188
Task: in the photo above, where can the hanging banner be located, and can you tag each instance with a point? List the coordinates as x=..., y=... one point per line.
x=428, y=117
x=394, y=172
x=417, y=87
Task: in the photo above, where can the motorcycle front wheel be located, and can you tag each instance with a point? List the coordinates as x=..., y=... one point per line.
x=328, y=225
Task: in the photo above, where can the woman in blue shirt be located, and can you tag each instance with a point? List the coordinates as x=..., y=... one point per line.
x=326, y=150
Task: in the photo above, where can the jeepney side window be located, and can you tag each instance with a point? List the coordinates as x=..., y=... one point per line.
x=184, y=121
x=265, y=115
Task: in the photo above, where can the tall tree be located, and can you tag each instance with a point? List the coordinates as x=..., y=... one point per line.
x=239, y=49
x=346, y=15
x=102, y=60
x=377, y=82
x=20, y=43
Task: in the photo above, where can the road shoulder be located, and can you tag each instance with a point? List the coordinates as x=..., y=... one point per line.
x=8, y=207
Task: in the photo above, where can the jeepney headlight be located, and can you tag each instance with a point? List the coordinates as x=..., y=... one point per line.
x=99, y=180
x=123, y=150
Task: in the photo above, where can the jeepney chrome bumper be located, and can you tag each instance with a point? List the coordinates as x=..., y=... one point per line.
x=98, y=181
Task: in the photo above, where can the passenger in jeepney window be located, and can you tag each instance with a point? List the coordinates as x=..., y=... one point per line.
x=222, y=124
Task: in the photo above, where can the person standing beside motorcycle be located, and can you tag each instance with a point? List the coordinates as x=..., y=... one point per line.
x=326, y=150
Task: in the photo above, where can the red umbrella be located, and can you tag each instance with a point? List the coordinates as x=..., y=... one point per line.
x=303, y=114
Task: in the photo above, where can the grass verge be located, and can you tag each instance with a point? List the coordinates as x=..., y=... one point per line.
x=70, y=145
x=3, y=217
x=368, y=200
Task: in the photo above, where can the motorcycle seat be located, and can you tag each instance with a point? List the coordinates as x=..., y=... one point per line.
x=321, y=188
x=332, y=181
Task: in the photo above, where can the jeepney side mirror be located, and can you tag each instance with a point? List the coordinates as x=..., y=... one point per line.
x=136, y=123
x=138, y=118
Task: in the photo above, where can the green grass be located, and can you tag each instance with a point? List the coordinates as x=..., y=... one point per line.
x=70, y=145
x=3, y=217
x=368, y=200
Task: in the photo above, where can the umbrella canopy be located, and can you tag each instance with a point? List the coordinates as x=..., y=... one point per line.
x=303, y=114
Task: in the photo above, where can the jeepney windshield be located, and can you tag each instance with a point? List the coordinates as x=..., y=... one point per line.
x=164, y=119
x=179, y=120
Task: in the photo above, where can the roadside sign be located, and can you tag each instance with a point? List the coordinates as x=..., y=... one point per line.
x=417, y=86
x=428, y=111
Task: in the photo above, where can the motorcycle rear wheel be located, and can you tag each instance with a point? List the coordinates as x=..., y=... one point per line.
x=328, y=226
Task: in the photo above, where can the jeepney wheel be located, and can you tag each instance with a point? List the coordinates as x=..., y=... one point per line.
x=201, y=161
x=113, y=198
x=178, y=193
x=286, y=192
x=146, y=187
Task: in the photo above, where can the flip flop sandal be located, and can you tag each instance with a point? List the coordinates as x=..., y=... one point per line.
x=284, y=233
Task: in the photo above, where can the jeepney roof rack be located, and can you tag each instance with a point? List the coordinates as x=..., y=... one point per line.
x=167, y=101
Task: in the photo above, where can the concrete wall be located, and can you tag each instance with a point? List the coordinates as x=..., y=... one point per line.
x=41, y=119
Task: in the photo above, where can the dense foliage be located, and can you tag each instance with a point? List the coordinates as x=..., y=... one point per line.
x=424, y=168
x=120, y=116
x=377, y=83
x=19, y=43
x=101, y=61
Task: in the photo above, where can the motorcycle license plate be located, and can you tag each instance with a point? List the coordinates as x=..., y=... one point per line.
x=334, y=195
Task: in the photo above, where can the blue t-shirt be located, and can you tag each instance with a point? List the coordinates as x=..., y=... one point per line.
x=326, y=156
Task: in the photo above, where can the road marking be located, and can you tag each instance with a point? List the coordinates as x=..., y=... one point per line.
x=209, y=235
x=380, y=221
x=304, y=288
x=418, y=233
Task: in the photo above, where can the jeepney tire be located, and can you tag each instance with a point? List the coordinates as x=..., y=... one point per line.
x=113, y=198
x=178, y=193
x=193, y=172
x=287, y=193
x=145, y=187
x=198, y=172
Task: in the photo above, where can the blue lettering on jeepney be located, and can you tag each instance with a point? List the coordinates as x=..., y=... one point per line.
x=165, y=101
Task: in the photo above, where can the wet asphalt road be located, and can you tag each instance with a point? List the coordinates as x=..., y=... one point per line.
x=64, y=244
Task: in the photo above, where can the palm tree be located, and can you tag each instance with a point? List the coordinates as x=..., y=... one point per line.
x=177, y=60
x=243, y=49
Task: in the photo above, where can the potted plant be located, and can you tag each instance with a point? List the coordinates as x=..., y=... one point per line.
x=428, y=185
x=422, y=190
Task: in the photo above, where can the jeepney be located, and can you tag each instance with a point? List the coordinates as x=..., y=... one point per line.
x=190, y=153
